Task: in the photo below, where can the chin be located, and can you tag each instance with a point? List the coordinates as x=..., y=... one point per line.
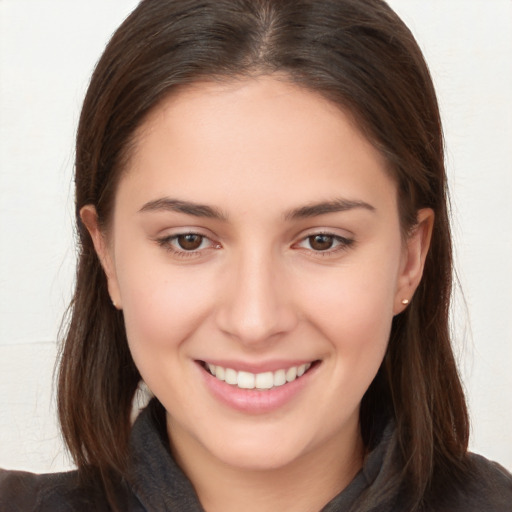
x=259, y=458
x=265, y=447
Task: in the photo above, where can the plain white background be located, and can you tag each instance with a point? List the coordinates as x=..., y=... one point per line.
x=47, y=51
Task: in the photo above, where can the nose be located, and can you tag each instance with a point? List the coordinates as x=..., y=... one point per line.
x=256, y=306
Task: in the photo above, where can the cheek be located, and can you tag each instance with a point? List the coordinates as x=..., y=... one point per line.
x=357, y=299
x=162, y=304
x=356, y=320
x=353, y=309
x=163, y=307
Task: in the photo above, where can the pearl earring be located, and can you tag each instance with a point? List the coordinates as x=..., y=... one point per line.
x=405, y=302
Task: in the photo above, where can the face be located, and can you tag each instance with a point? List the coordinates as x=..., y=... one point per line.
x=255, y=250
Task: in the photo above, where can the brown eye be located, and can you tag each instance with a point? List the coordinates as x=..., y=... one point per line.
x=321, y=242
x=189, y=242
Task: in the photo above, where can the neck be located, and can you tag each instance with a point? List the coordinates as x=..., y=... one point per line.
x=304, y=485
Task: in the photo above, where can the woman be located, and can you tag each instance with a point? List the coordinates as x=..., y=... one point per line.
x=264, y=242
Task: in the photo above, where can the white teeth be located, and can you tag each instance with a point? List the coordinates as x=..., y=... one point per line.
x=245, y=380
x=279, y=378
x=291, y=374
x=265, y=380
x=231, y=376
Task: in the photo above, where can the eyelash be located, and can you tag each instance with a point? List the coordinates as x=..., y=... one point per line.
x=167, y=244
x=343, y=244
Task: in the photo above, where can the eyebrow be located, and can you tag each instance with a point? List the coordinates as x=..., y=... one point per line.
x=203, y=210
x=334, y=206
x=187, y=207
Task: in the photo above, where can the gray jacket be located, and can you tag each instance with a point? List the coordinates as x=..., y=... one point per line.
x=159, y=485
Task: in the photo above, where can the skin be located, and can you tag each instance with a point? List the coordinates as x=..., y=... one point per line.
x=257, y=289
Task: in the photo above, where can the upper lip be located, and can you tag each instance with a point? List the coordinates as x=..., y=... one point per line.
x=258, y=367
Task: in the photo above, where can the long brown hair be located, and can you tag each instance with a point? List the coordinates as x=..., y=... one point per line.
x=359, y=55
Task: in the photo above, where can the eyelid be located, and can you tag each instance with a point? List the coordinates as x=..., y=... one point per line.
x=166, y=241
x=343, y=242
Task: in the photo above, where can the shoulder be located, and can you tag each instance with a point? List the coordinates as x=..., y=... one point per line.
x=486, y=485
x=491, y=483
x=56, y=492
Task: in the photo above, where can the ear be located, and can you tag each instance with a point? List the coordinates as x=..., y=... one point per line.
x=89, y=217
x=413, y=259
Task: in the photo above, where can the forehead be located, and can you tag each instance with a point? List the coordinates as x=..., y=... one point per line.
x=212, y=141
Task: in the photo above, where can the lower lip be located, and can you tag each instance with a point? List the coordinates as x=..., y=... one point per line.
x=254, y=401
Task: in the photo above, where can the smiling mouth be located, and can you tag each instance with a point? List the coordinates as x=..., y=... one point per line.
x=261, y=381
